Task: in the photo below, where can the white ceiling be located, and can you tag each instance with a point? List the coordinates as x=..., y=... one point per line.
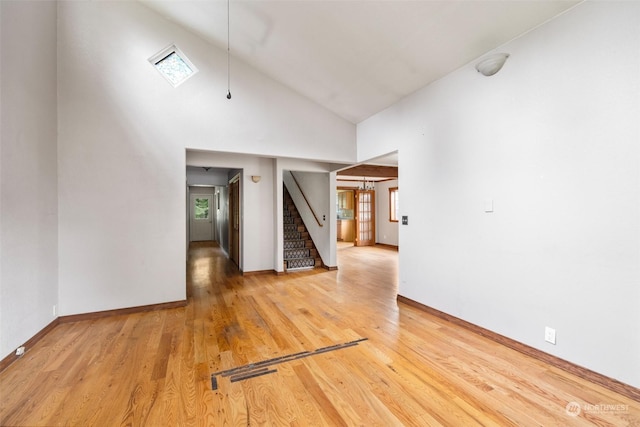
x=358, y=57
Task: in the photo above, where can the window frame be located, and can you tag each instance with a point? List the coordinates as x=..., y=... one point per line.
x=166, y=52
x=393, y=204
x=208, y=210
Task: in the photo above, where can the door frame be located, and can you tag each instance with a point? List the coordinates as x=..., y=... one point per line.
x=235, y=218
x=213, y=210
x=372, y=210
x=353, y=204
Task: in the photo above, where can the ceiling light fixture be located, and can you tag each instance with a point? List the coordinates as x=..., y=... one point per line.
x=492, y=64
x=228, y=56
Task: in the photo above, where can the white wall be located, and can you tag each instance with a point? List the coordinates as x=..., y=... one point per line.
x=213, y=176
x=28, y=181
x=386, y=231
x=122, y=134
x=222, y=218
x=351, y=184
x=202, y=190
x=553, y=140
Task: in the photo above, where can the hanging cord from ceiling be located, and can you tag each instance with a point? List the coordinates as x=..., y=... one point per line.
x=228, y=55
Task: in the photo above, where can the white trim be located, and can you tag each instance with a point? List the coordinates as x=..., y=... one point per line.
x=235, y=178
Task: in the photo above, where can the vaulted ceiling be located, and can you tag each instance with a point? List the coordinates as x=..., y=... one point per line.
x=358, y=57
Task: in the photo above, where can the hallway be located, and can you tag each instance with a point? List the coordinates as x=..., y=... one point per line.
x=154, y=368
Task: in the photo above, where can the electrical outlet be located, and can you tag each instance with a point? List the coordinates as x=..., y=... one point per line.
x=550, y=335
x=20, y=351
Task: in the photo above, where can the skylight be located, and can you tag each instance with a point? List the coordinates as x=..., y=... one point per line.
x=173, y=65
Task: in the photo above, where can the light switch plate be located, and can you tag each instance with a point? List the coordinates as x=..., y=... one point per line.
x=550, y=335
x=488, y=205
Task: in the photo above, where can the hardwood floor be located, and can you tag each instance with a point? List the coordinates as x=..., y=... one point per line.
x=414, y=369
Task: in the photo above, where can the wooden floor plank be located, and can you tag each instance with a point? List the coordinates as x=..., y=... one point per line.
x=414, y=369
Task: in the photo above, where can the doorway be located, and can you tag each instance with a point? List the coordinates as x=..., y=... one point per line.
x=365, y=217
x=371, y=184
x=345, y=203
x=201, y=225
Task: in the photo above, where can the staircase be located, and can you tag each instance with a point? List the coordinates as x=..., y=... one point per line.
x=299, y=251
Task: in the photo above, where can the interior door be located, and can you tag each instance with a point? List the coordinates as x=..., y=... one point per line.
x=201, y=217
x=365, y=218
x=234, y=221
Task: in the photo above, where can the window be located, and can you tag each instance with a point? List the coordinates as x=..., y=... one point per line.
x=393, y=204
x=202, y=209
x=173, y=65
